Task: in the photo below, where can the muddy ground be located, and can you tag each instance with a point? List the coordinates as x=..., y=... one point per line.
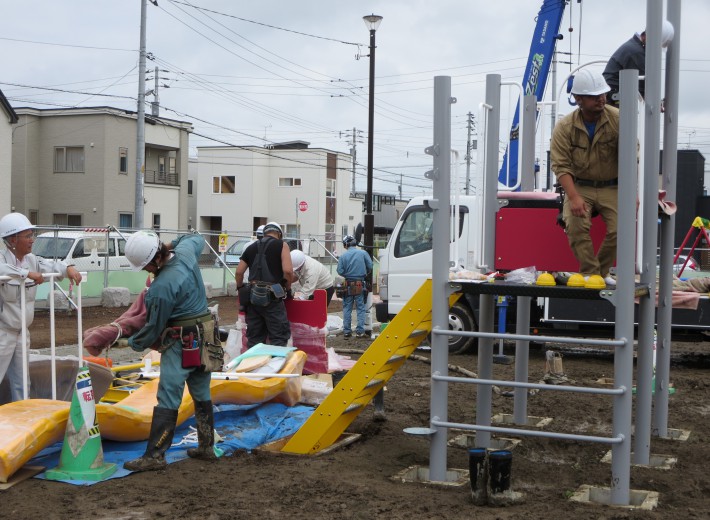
x=355, y=482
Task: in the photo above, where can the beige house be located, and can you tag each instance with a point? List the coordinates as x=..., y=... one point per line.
x=77, y=167
x=8, y=118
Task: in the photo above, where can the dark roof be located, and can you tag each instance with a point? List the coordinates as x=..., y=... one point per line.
x=289, y=145
x=4, y=103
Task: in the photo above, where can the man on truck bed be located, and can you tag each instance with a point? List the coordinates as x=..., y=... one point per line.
x=584, y=153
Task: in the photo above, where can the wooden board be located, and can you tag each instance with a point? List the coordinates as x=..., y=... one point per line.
x=20, y=475
x=250, y=363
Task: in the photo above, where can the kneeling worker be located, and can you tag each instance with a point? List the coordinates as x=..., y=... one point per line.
x=176, y=314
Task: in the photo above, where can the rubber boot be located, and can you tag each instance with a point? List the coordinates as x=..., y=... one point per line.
x=162, y=429
x=204, y=416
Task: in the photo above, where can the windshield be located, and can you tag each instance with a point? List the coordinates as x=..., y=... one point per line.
x=238, y=247
x=51, y=247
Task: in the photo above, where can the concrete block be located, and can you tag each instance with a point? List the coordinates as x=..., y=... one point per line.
x=115, y=297
x=60, y=302
x=231, y=288
x=209, y=291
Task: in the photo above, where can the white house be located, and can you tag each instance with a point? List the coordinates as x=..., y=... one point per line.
x=306, y=190
x=8, y=119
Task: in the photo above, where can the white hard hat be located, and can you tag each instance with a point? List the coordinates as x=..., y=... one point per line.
x=667, y=33
x=349, y=241
x=14, y=223
x=298, y=258
x=589, y=83
x=260, y=231
x=273, y=226
x=141, y=248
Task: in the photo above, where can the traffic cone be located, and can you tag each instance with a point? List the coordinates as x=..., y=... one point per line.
x=82, y=456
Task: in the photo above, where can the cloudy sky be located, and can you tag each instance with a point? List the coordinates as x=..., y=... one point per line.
x=253, y=73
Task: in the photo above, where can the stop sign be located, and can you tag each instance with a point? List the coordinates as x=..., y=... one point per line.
x=303, y=205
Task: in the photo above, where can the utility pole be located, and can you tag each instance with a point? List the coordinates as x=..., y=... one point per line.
x=468, y=152
x=354, y=139
x=155, y=104
x=140, y=123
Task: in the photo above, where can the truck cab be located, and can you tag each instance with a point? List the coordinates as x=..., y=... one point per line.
x=86, y=250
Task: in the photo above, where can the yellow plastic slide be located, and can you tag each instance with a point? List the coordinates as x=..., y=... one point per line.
x=26, y=428
x=130, y=418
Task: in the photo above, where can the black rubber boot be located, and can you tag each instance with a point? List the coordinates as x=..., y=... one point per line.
x=204, y=416
x=162, y=429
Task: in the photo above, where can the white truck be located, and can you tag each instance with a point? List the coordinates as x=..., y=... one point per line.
x=86, y=250
x=527, y=235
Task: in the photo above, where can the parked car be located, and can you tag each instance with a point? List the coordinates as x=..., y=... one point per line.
x=234, y=252
x=692, y=264
x=86, y=250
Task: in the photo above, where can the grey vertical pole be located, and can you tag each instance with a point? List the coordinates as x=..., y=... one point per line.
x=140, y=123
x=647, y=306
x=625, y=267
x=670, y=166
x=155, y=105
x=354, y=152
x=522, y=352
x=527, y=141
x=468, y=153
x=487, y=302
x=440, y=204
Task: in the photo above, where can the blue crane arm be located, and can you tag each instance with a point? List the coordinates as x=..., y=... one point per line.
x=542, y=48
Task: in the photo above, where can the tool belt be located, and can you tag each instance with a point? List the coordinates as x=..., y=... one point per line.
x=201, y=347
x=262, y=294
x=354, y=287
x=596, y=184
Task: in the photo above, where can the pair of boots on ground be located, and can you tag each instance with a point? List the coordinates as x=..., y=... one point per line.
x=162, y=429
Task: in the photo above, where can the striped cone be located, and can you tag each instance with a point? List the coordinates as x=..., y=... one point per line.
x=82, y=456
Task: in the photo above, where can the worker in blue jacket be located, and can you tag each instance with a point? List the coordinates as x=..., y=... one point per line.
x=354, y=265
x=177, y=321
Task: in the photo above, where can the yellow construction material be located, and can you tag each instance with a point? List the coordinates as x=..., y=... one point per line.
x=576, y=280
x=595, y=281
x=129, y=419
x=545, y=279
x=371, y=372
x=26, y=428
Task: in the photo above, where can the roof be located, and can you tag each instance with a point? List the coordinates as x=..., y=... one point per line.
x=101, y=110
x=5, y=104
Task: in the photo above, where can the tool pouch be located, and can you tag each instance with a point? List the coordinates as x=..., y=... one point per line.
x=260, y=295
x=212, y=353
x=355, y=288
x=190, y=351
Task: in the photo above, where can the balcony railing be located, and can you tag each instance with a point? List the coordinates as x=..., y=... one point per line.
x=158, y=177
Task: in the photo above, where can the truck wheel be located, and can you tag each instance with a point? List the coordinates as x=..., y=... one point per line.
x=460, y=318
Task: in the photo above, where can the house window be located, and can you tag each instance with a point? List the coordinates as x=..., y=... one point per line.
x=223, y=184
x=172, y=168
x=189, y=187
x=125, y=220
x=65, y=219
x=289, y=181
x=34, y=217
x=161, y=169
x=123, y=160
x=330, y=187
x=156, y=221
x=69, y=159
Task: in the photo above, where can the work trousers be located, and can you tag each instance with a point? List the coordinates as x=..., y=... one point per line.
x=173, y=378
x=359, y=301
x=268, y=322
x=605, y=202
x=11, y=362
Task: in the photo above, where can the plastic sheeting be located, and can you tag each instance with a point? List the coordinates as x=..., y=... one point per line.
x=241, y=428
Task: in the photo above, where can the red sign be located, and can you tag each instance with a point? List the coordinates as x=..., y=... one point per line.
x=303, y=205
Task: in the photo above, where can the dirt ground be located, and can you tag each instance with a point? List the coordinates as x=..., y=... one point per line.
x=355, y=482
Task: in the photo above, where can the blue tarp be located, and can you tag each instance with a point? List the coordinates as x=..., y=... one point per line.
x=241, y=427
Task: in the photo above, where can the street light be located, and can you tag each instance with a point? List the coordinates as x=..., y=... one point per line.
x=372, y=22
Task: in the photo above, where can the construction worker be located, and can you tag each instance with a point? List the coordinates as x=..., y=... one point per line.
x=176, y=315
x=310, y=275
x=262, y=294
x=631, y=55
x=18, y=262
x=354, y=265
x=584, y=152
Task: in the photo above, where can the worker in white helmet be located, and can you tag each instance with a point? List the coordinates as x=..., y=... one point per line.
x=632, y=55
x=584, y=153
x=262, y=293
x=310, y=275
x=18, y=262
x=177, y=323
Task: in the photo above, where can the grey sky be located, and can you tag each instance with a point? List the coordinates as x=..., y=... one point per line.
x=242, y=82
